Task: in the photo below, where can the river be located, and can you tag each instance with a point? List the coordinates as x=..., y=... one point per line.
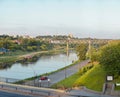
x=44, y=64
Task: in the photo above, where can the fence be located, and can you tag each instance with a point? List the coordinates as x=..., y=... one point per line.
x=45, y=92
x=8, y=80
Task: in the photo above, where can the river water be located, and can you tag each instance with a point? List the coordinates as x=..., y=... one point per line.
x=44, y=64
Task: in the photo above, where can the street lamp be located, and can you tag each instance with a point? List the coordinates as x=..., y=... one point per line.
x=34, y=75
x=65, y=72
x=48, y=82
x=39, y=83
x=67, y=52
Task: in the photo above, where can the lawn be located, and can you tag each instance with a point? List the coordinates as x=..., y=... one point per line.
x=92, y=79
x=117, y=81
x=68, y=82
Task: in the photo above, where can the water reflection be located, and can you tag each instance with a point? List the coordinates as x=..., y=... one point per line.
x=40, y=65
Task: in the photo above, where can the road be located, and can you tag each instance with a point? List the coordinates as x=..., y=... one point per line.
x=83, y=93
x=72, y=93
x=60, y=75
x=10, y=94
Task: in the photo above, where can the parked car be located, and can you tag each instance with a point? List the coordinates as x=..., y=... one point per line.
x=43, y=78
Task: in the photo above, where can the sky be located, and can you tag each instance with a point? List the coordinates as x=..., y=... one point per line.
x=82, y=18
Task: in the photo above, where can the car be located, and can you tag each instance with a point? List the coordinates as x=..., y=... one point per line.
x=43, y=78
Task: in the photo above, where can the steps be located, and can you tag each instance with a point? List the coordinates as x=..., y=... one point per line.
x=108, y=88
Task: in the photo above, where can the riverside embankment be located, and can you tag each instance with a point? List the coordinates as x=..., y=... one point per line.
x=45, y=63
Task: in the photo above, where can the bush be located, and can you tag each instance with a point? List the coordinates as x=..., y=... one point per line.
x=85, y=69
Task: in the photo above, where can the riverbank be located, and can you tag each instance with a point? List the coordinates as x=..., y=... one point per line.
x=54, y=76
x=46, y=74
x=9, y=59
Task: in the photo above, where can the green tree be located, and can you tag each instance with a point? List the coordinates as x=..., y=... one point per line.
x=110, y=57
x=81, y=51
x=29, y=48
x=95, y=56
x=43, y=47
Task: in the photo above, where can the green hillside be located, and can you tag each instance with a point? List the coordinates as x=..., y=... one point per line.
x=92, y=79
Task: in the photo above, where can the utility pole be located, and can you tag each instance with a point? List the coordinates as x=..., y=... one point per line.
x=67, y=52
x=67, y=47
x=34, y=75
x=65, y=71
x=90, y=48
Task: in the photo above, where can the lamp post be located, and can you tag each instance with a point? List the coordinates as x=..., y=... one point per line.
x=67, y=53
x=48, y=82
x=89, y=50
x=65, y=71
x=34, y=75
x=39, y=83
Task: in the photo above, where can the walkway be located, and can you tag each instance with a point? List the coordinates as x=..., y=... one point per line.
x=83, y=93
x=13, y=94
x=58, y=76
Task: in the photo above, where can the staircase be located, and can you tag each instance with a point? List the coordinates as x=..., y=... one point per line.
x=108, y=88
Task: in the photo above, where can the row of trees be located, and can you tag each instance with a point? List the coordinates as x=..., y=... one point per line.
x=108, y=56
x=32, y=44
x=24, y=44
x=37, y=43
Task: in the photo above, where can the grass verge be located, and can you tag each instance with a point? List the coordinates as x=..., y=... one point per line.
x=66, y=83
x=92, y=79
x=117, y=80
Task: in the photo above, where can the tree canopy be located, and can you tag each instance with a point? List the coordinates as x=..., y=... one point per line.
x=81, y=51
x=110, y=57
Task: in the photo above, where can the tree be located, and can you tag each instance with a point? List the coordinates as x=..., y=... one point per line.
x=43, y=47
x=81, y=51
x=110, y=57
x=95, y=56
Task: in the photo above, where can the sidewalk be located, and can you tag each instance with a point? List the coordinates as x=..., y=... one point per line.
x=83, y=93
x=58, y=76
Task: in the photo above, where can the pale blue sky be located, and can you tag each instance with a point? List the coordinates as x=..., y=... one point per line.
x=82, y=18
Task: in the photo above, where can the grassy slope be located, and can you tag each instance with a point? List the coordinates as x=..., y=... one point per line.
x=68, y=82
x=93, y=79
x=117, y=81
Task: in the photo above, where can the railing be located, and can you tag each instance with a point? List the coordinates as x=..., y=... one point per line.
x=8, y=80
x=32, y=90
x=92, y=91
x=104, y=88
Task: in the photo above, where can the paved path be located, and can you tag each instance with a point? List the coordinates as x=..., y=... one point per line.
x=83, y=93
x=60, y=75
x=10, y=94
